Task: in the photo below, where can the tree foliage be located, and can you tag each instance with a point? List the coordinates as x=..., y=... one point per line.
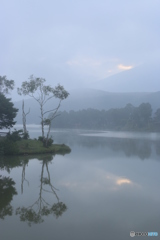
x=7, y=191
x=6, y=85
x=7, y=112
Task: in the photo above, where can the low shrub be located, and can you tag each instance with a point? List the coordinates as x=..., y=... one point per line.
x=49, y=142
x=46, y=143
x=17, y=135
x=25, y=135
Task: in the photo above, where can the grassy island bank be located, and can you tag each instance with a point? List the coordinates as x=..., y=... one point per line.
x=32, y=146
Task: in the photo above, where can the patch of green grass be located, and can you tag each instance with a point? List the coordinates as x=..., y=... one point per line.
x=31, y=146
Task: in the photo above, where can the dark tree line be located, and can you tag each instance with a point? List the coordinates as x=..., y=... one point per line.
x=127, y=118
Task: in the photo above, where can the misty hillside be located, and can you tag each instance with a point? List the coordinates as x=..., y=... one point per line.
x=146, y=77
x=88, y=98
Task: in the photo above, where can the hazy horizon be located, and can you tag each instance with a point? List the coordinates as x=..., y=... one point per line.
x=79, y=43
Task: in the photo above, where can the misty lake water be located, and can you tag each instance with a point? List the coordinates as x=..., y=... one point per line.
x=106, y=187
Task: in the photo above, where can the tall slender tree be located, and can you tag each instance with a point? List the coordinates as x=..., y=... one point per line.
x=42, y=93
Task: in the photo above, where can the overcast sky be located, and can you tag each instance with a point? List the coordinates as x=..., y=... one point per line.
x=76, y=42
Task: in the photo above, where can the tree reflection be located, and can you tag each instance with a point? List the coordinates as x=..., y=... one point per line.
x=24, y=164
x=41, y=207
x=9, y=162
x=130, y=147
x=7, y=190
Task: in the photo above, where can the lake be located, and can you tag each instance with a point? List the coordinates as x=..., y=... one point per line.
x=106, y=187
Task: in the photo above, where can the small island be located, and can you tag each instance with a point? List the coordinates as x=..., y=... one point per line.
x=14, y=144
x=18, y=142
x=34, y=146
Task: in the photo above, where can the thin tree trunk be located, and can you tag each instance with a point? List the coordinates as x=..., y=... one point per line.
x=49, y=129
x=24, y=118
x=42, y=122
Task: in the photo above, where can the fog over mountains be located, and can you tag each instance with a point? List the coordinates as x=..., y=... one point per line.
x=88, y=98
x=138, y=85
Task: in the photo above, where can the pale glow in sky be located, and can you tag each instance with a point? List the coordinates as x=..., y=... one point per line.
x=123, y=67
x=123, y=181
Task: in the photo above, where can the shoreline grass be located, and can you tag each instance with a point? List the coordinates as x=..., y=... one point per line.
x=33, y=146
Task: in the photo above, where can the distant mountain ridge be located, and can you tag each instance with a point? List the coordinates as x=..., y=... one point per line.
x=89, y=98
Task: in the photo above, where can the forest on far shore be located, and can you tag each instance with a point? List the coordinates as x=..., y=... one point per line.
x=128, y=118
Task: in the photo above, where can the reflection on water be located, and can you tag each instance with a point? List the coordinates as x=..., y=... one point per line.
x=24, y=164
x=141, y=145
x=130, y=147
x=41, y=207
x=7, y=191
x=101, y=190
x=130, y=135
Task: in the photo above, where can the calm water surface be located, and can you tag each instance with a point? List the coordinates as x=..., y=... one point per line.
x=106, y=187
